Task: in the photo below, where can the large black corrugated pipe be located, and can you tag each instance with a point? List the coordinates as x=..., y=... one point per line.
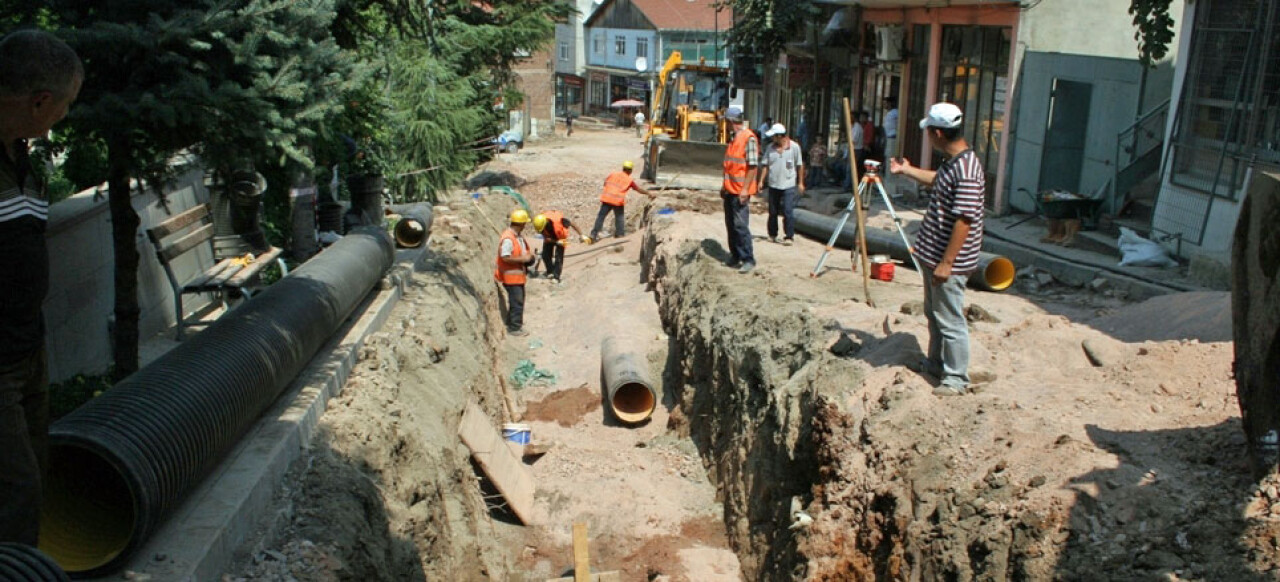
x=995, y=273
x=23, y=563
x=414, y=227
x=630, y=393
x=121, y=462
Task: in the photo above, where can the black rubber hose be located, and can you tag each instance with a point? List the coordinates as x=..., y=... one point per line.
x=995, y=273
x=414, y=227
x=121, y=462
x=23, y=563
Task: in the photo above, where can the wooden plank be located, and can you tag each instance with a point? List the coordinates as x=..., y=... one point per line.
x=199, y=282
x=508, y=474
x=225, y=275
x=186, y=243
x=177, y=223
x=581, y=559
x=253, y=268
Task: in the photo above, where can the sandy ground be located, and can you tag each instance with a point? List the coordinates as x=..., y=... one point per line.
x=1104, y=442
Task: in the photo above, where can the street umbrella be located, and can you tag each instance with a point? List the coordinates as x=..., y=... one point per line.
x=627, y=103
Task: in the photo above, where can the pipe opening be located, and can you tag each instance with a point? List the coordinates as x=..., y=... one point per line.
x=88, y=515
x=633, y=402
x=999, y=274
x=410, y=233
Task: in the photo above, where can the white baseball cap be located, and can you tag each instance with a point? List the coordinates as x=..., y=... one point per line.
x=777, y=129
x=943, y=115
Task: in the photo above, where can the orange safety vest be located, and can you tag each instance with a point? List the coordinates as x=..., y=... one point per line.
x=615, y=188
x=507, y=272
x=735, y=165
x=556, y=220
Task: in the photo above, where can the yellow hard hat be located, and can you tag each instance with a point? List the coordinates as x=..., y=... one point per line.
x=539, y=222
x=519, y=216
x=627, y=165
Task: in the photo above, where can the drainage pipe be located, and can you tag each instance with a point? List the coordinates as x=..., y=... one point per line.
x=995, y=273
x=414, y=227
x=23, y=563
x=121, y=462
x=629, y=390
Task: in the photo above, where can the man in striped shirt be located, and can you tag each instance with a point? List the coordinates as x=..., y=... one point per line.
x=948, y=243
x=39, y=78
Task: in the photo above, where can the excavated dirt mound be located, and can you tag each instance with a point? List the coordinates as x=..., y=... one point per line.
x=1204, y=316
x=1080, y=458
x=386, y=492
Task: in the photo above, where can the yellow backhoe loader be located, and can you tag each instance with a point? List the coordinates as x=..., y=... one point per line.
x=687, y=131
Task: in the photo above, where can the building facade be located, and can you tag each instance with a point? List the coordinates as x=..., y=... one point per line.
x=570, y=55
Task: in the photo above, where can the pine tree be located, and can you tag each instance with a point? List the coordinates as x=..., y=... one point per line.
x=232, y=80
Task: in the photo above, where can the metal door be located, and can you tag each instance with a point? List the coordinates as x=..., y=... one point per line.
x=1065, y=134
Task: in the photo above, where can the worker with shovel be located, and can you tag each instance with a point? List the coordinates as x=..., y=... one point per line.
x=554, y=228
x=511, y=269
x=614, y=198
x=948, y=244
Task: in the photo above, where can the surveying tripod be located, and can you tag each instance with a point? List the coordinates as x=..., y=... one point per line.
x=870, y=178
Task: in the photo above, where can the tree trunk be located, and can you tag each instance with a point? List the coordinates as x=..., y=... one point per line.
x=124, y=231
x=1255, y=304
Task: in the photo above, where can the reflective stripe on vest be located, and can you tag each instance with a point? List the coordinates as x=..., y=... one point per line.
x=506, y=272
x=736, y=168
x=556, y=220
x=615, y=188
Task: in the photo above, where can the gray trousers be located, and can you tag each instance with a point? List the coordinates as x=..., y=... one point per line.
x=24, y=435
x=948, y=329
x=515, y=306
x=619, y=221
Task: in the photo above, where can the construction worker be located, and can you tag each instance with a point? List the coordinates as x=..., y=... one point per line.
x=554, y=228
x=948, y=243
x=740, y=184
x=614, y=198
x=511, y=270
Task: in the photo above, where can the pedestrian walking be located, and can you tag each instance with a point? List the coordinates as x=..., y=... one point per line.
x=948, y=243
x=554, y=228
x=782, y=172
x=568, y=123
x=741, y=162
x=512, y=268
x=40, y=77
x=639, y=119
x=614, y=199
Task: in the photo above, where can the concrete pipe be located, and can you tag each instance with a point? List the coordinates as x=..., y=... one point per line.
x=629, y=390
x=119, y=464
x=414, y=227
x=995, y=273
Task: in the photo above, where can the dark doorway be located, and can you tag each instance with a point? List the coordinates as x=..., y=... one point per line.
x=1064, y=136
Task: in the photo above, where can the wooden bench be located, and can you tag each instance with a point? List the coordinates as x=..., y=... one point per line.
x=230, y=275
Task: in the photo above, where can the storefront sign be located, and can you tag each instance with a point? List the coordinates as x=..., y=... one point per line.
x=599, y=77
x=636, y=83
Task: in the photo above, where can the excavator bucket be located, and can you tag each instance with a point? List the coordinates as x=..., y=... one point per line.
x=685, y=165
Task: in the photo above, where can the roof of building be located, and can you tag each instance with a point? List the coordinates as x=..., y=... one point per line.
x=677, y=14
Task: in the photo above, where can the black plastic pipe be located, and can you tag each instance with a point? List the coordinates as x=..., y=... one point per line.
x=629, y=390
x=995, y=273
x=414, y=227
x=23, y=563
x=121, y=462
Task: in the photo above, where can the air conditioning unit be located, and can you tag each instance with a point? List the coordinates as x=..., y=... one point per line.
x=889, y=43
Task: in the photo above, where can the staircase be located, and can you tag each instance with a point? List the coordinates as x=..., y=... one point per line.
x=1138, y=150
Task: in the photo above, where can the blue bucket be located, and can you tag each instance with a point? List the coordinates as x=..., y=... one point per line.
x=516, y=433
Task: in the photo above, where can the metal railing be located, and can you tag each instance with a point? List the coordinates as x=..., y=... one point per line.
x=1138, y=150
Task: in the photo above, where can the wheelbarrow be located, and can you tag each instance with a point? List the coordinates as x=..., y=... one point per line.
x=1087, y=210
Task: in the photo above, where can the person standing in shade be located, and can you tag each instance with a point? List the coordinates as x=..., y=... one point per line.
x=512, y=269
x=890, y=138
x=614, y=199
x=782, y=172
x=816, y=170
x=948, y=243
x=858, y=155
x=764, y=128
x=554, y=228
x=40, y=77
x=740, y=184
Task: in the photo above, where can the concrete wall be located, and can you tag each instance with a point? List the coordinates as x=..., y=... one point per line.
x=1100, y=28
x=565, y=50
x=81, y=298
x=611, y=58
x=1113, y=106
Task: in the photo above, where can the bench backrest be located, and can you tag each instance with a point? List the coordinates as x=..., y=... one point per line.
x=168, y=250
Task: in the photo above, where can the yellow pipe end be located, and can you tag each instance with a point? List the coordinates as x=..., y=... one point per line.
x=87, y=518
x=999, y=274
x=633, y=403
